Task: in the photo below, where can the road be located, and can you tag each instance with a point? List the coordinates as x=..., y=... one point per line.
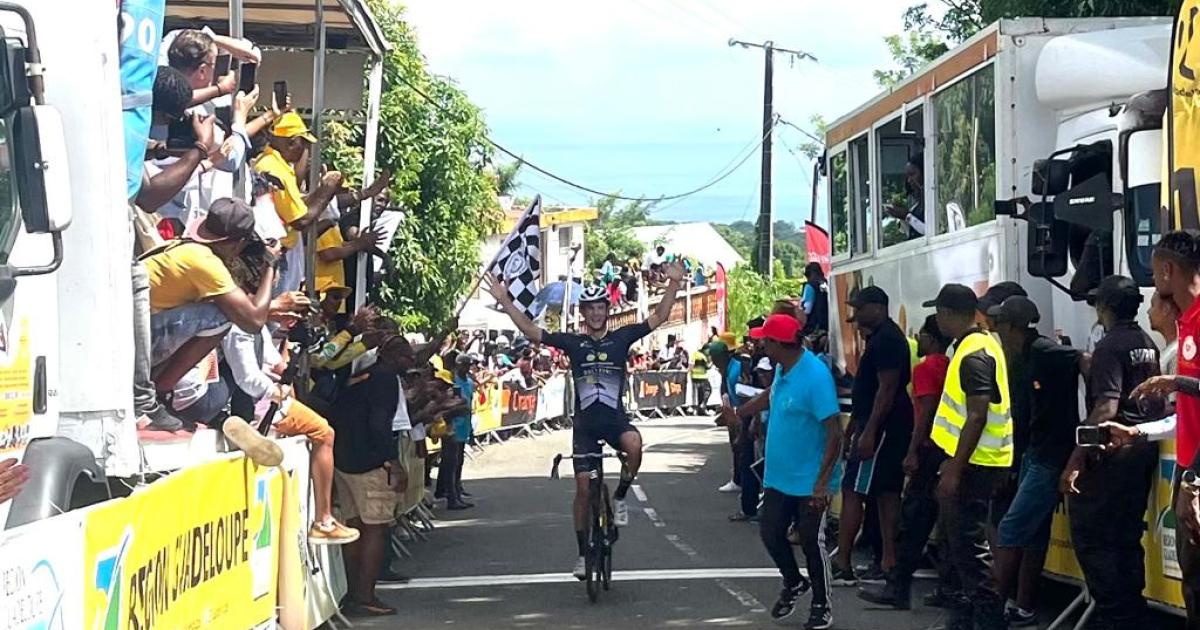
x=679, y=564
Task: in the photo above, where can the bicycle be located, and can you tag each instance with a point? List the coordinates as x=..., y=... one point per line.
x=601, y=532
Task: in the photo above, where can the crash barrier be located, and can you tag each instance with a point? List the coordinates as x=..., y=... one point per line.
x=1163, y=577
x=218, y=544
x=668, y=391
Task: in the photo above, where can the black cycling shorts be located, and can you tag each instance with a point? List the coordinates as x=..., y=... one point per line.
x=587, y=436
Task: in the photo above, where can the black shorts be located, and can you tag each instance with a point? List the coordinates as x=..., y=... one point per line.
x=883, y=473
x=587, y=436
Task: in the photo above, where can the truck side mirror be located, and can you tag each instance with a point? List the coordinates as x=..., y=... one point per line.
x=1050, y=177
x=39, y=159
x=1048, y=244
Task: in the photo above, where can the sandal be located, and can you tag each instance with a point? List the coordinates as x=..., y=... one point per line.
x=375, y=608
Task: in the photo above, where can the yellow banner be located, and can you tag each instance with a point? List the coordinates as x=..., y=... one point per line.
x=1180, y=191
x=1162, y=565
x=16, y=385
x=198, y=549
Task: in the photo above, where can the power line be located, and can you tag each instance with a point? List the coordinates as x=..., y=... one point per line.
x=562, y=180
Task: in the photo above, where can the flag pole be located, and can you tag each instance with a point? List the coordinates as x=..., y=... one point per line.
x=462, y=303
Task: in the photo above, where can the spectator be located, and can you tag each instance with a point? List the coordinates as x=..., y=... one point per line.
x=1043, y=377
x=803, y=442
x=679, y=358
x=735, y=373
x=996, y=295
x=918, y=512
x=1107, y=491
x=253, y=362
x=289, y=143
x=1176, y=266
x=197, y=50
x=1163, y=320
x=814, y=301
x=912, y=214
x=656, y=257
x=608, y=271
x=369, y=474
x=162, y=183
x=193, y=296
x=701, y=388
x=881, y=426
x=973, y=427
x=630, y=279
x=454, y=445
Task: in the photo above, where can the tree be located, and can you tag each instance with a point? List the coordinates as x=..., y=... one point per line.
x=739, y=235
x=612, y=231
x=506, y=177
x=751, y=295
x=437, y=152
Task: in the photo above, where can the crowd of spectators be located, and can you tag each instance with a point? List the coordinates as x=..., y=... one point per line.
x=624, y=280
x=968, y=428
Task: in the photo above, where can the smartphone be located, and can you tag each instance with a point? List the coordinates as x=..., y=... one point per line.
x=1089, y=435
x=281, y=94
x=221, y=68
x=180, y=134
x=248, y=77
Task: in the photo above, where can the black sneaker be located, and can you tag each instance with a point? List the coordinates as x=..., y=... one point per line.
x=941, y=599
x=885, y=595
x=819, y=619
x=785, y=606
x=1020, y=618
x=162, y=420
x=844, y=577
x=871, y=573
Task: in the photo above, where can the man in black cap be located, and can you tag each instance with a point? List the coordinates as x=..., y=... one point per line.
x=881, y=425
x=1043, y=377
x=193, y=296
x=1106, y=490
x=973, y=427
x=995, y=295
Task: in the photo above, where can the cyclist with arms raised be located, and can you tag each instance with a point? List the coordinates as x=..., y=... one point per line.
x=598, y=359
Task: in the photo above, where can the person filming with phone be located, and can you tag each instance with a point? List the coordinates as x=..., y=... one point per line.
x=1107, y=488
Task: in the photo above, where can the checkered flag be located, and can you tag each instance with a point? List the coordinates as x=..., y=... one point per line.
x=519, y=261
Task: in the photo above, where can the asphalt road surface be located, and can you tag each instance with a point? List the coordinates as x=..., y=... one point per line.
x=679, y=564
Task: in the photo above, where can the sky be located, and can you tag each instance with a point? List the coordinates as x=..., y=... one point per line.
x=646, y=97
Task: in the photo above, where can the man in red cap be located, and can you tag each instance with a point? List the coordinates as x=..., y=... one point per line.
x=801, y=474
x=193, y=296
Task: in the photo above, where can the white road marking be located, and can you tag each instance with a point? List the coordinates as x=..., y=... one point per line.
x=653, y=516
x=684, y=547
x=644, y=575
x=745, y=598
x=639, y=493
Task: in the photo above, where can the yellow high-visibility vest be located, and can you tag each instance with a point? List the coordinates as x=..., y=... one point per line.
x=995, y=446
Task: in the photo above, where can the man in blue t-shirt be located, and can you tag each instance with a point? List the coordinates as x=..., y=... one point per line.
x=802, y=469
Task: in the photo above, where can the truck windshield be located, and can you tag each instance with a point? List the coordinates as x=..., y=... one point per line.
x=1143, y=228
x=9, y=217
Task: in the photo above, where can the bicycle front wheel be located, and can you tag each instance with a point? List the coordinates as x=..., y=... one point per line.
x=593, y=561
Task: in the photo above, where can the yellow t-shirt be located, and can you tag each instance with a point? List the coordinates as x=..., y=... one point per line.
x=330, y=273
x=185, y=274
x=289, y=202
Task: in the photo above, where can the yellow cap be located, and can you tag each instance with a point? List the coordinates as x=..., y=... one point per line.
x=328, y=286
x=729, y=339
x=291, y=125
x=445, y=376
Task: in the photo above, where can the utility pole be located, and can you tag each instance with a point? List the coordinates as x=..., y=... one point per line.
x=764, y=243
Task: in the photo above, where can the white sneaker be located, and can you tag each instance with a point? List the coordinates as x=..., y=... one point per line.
x=730, y=488
x=580, y=571
x=620, y=513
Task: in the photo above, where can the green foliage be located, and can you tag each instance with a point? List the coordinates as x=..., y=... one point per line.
x=966, y=171
x=909, y=52
x=612, y=231
x=438, y=157
x=992, y=10
x=818, y=126
x=752, y=295
x=739, y=235
x=506, y=177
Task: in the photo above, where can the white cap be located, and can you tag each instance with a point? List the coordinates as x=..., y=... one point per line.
x=764, y=364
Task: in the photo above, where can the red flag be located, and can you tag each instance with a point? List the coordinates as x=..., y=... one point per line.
x=819, y=249
x=719, y=282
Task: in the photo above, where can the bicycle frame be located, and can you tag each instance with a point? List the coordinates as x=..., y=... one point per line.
x=602, y=533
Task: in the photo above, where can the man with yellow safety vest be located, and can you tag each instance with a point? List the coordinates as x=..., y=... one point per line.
x=973, y=426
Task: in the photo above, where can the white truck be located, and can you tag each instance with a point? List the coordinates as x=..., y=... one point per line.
x=1033, y=153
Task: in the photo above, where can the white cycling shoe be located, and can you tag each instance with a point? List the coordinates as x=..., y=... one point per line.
x=620, y=513
x=580, y=571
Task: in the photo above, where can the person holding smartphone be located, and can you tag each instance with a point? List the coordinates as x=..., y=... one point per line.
x=1107, y=489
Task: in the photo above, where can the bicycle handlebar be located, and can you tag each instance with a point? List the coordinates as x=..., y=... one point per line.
x=558, y=459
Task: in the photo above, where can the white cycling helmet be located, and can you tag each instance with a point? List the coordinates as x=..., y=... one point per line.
x=594, y=293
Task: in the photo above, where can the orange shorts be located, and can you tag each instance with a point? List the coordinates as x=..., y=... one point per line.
x=302, y=420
